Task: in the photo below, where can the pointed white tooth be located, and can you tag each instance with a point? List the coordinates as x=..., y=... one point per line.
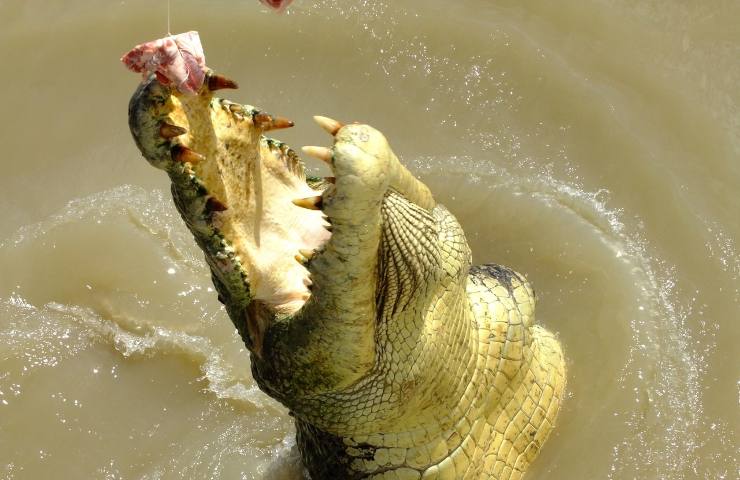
x=329, y=124
x=322, y=153
x=311, y=203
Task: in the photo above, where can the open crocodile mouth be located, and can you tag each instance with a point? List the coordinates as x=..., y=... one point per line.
x=244, y=196
x=273, y=238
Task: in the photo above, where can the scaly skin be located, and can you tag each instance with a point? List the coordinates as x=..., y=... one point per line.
x=402, y=362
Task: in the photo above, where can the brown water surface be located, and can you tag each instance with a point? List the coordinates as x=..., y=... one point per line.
x=593, y=146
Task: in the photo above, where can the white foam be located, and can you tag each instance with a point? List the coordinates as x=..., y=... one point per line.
x=664, y=367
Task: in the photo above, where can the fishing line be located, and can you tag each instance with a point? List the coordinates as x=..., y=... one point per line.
x=169, y=31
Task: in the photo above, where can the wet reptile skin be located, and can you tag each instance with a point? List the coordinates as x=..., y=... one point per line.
x=405, y=362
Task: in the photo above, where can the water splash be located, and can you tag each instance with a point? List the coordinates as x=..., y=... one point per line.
x=664, y=367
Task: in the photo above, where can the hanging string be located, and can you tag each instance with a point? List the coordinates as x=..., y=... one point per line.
x=169, y=30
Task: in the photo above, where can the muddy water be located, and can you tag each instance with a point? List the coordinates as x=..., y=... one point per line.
x=591, y=145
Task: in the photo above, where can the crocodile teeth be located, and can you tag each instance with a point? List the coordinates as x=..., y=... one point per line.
x=311, y=203
x=215, y=205
x=322, y=153
x=307, y=253
x=182, y=154
x=167, y=130
x=266, y=122
x=219, y=82
x=328, y=124
x=236, y=108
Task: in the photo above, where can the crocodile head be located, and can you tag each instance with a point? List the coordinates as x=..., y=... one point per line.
x=355, y=294
x=246, y=197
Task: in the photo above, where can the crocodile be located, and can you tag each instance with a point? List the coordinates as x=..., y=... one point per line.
x=355, y=295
